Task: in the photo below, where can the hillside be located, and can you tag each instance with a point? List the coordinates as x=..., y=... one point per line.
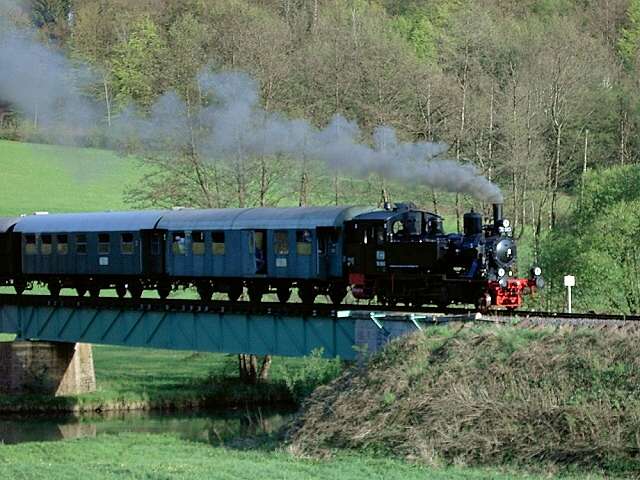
x=62, y=179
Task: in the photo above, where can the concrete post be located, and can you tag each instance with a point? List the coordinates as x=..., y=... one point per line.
x=46, y=368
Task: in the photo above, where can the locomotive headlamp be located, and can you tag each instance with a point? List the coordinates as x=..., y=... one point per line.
x=501, y=272
x=503, y=282
x=537, y=271
x=506, y=223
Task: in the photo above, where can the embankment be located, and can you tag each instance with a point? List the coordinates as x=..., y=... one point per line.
x=487, y=396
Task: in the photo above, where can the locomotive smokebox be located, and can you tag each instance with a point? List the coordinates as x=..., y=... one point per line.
x=497, y=214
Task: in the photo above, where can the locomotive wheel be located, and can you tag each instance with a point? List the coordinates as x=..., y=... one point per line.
x=94, y=291
x=283, y=293
x=135, y=289
x=307, y=294
x=121, y=290
x=234, y=292
x=337, y=294
x=255, y=293
x=81, y=291
x=205, y=291
x=54, y=289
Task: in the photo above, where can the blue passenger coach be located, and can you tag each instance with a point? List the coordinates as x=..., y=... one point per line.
x=92, y=251
x=264, y=249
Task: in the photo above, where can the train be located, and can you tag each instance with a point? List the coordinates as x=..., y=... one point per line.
x=398, y=254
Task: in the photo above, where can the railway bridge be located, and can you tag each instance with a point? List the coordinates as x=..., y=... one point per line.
x=52, y=333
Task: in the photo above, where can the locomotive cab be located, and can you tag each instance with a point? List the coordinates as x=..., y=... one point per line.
x=400, y=242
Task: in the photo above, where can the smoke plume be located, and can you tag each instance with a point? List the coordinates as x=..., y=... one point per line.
x=48, y=88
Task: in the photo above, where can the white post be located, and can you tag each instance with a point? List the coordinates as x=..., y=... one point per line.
x=569, y=281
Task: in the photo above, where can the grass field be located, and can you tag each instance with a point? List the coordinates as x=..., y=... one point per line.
x=140, y=456
x=62, y=179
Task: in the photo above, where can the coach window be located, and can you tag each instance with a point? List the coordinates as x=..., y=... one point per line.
x=30, y=245
x=104, y=244
x=281, y=242
x=303, y=242
x=81, y=244
x=62, y=247
x=126, y=243
x=178, y=243
x=197, y=243
x=45, y=245
x=217, y=243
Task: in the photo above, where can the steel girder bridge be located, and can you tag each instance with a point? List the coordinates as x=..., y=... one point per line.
x=224, y=327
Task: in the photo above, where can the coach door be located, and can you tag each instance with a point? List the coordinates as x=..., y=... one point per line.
x=326, y=252
x=153, y=251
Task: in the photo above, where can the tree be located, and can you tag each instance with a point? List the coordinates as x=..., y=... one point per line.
x=139, y=65
x=598, y=244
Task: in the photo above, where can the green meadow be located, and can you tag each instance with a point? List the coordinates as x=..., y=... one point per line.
x=62, y=179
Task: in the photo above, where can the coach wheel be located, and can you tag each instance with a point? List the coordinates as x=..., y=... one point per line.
x=284, y=293
x=205, y=291
x=54, y=289
x=19, y=287
x=121, y=290
x=337, y=294
x=255, y=293
x=94, y=291
x=164, y=291
x=234, y=292
x=135, y=290
x=307, y=294
x=81, y=291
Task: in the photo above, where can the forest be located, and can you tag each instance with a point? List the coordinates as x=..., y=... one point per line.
x=540, y=96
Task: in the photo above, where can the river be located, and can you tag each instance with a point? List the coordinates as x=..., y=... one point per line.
x=216, y=427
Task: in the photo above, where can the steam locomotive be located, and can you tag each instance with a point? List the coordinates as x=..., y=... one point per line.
x=399, y=254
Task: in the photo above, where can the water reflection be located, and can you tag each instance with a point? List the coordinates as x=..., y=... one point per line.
x=231, y=428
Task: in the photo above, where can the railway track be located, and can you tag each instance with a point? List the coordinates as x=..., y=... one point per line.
x=318, y=309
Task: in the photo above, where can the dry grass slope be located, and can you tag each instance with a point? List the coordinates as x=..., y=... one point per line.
x=488, y=396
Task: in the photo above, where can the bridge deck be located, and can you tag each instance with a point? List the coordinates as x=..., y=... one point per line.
x=289, y=330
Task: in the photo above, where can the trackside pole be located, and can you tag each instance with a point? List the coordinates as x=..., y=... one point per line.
x=569, y=282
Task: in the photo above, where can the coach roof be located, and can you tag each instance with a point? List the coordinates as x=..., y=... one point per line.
x=90, y=222
x=258, y=218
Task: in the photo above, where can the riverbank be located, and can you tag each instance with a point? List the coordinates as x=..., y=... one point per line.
x=146, y=379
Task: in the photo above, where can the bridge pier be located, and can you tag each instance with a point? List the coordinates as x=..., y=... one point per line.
x=46, y=368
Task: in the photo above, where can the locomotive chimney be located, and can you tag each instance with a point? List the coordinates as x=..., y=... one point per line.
x=497, y=213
